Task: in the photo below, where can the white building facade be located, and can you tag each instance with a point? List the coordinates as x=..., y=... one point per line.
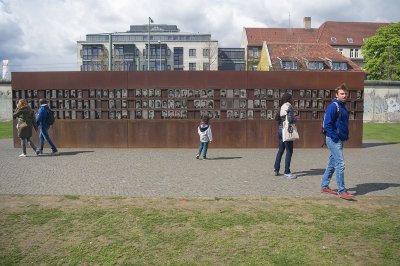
x=169, y=50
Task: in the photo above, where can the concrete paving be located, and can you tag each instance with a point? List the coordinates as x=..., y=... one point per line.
x=370, y=171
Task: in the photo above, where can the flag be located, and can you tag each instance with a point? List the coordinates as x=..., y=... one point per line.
x=150, y=20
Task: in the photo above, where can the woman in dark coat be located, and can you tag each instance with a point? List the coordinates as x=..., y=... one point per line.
x=26, y=120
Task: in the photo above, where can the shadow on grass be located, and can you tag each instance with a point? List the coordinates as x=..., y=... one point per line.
x=311, y=172
x=363, y=189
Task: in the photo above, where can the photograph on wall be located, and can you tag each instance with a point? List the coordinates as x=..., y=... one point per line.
x=60, y=104
x=138, y=93
x=270, y=93
x=243, y=93
x=98, y=114
x=184, y=114
x=118, y=115
x=308, y=93
x=124, y=93
x=177, y=104
x=60, y=94
x=164, y=104
x=79, y=94
x=196, y=93
x=138, y=114
x=263, y=114
x=157, y=93
x=256, y=93
x=276, y=93
x=290, y=91
x=236, y=104
x=79, y=104
x=263, y=104
x=124, y=104
x=138, y=104
x=223, y=94
x=210, y=93
x=359, y=95
x=151, y=114
x=118, y=104
x=124, y=114
x=110, y=93
x=236, y=93
x=314, y=93
x=301, y=104
x=190, y=94
x=73, y=115
x=111, y=104
x=276, y=104
x=250, y=104
x=321, y=93
x=229, y=93
x=223, y=104
x=229, y=114
x=184, y=104
x=145, y=104
x=171, y=114
x=177, y=93
x=302, y=94
x=157, y=104
x=250, y=114
x=184, y=93
x=315, y=115
x=242, y=104
x=164, y=114
x=216, y=114
x=98, y=93
x=92, y=93
x=86, y=104
x=196, y=103
x=269, y=114
x=257, y=104
x=171, y=93
x=67, y=115
x=242, y=114
x=118, y=94
x=66, y=104
x=145, y=93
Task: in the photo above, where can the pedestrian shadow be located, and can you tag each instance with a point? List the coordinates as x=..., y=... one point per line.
x=375, y=144
x=311, y=172
x=224, y=158
x=362, y=189
x=64, y=153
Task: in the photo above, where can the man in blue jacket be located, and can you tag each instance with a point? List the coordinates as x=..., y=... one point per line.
x=42, y=115
x=336, y=125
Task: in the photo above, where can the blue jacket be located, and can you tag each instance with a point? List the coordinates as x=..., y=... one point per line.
x=337, y=125
x=42, y=116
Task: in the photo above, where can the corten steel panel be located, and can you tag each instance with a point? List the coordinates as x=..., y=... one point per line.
x=162, y=134
x=182, y=133
x=68, y=80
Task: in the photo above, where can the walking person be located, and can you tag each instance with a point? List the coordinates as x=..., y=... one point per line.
x=205, y=133
x=286, y=110
x=336, y=125
x=26, y=120
x=42, y=123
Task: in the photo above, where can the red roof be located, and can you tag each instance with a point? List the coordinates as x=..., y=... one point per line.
x=302, y=52
x=340, y=30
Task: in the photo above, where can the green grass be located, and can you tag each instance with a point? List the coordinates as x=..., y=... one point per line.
x=137, y=231
x=6, y=130
x=386, y=132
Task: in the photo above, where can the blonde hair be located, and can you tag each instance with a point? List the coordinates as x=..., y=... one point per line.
x=22, y=103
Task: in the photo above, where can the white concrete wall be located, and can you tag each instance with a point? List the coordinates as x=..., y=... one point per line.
x=382, y=101
x=5, y=102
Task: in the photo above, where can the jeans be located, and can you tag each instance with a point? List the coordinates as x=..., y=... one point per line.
x=203, y=148
x=282, y=146
x=44, y=135
x=335, y=163
x=23, y=144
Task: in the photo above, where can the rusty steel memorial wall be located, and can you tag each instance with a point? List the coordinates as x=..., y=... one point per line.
x=163, y=109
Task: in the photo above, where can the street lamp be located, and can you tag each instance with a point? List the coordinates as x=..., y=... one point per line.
x=110, y=52
x=148, y=48
x=159, y=42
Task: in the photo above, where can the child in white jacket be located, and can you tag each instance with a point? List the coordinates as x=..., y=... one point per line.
x=204, y=130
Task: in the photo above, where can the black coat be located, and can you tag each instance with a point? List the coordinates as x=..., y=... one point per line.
x=26, y=115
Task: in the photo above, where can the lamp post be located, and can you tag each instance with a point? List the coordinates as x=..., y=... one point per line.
x=159, y=42
x=148, y=47
x=110, y=52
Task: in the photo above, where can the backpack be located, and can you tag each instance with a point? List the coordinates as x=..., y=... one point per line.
x=50, y=119
x=323, y=130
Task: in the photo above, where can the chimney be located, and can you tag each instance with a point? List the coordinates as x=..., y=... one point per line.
x=307, y=23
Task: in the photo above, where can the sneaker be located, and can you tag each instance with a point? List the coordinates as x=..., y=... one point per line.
x=276, y=173
x=345, y=195
x=205, y=158
x=54, y=152
x=291, y=176
x=22, y=155
x=328, y=190
x=38, y=152
x=197, y=156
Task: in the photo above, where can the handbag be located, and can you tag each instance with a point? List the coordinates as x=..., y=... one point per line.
x=289, y=131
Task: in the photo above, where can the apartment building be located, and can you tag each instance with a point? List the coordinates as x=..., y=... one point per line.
x=153, y=47
x=346, y=37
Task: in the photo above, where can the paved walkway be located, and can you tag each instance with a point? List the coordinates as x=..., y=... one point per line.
x=371, y=171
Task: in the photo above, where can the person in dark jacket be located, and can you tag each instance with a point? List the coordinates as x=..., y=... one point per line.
x=336, y=125
x=26, y=120
x=286, y=109
x=42, y=115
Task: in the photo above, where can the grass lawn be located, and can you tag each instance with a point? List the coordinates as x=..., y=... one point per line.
x=73, y=230
x=6, y=130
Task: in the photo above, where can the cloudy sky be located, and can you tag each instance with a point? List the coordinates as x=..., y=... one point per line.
x=41, y=35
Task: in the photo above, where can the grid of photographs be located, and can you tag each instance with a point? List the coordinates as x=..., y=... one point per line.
x=184, y=103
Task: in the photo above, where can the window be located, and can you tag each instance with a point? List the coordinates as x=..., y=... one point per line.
x=351, y=53
x=339, y=65
x=178, y=58
x=289, y=65
x=206, y=52
x=255, y=52
x=192, y=52
x=333, y=39
x=356, y=53
x=192, y=66
x=340, y=50
x=206, y=66
x=315, y=65
x=350, y=40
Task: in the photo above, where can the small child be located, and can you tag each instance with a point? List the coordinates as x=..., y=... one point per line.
x=204, y=130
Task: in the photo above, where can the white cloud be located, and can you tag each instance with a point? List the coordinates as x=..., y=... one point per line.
x=41, y=35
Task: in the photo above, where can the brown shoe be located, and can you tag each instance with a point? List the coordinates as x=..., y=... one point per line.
x=346, y=195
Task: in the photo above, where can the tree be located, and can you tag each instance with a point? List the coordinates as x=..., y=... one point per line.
x=382, y=53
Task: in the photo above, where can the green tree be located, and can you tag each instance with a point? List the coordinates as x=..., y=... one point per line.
x=382, y=53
